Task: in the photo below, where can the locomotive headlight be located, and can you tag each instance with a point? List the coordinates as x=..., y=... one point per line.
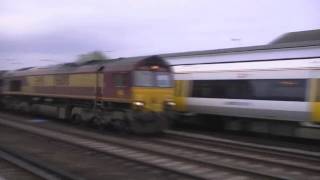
x=138, y=103
x=171, y=103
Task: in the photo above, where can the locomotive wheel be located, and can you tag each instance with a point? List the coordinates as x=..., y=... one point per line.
x=24, y=108
x=96, y=122
x=76, y=119
x=121, y=125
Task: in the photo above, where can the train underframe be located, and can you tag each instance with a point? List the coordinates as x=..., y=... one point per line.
x=254, y=125
x=119, y=116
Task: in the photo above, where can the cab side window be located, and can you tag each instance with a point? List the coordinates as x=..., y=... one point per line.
x=120, y=80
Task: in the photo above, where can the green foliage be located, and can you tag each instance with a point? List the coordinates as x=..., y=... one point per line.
x=95, y=55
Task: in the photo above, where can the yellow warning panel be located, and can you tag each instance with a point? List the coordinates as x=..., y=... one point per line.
x=181, y=90
x=315, y=100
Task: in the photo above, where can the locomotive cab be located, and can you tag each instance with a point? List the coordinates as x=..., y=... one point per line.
x=145, y=89
x=152, y=88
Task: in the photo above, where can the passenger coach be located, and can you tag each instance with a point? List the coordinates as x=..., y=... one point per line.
x=281, y=96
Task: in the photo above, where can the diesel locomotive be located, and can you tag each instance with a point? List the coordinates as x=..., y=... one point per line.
x=132, y=94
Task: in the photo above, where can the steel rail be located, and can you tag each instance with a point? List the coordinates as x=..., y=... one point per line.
x=35, y=167
x=163, y=160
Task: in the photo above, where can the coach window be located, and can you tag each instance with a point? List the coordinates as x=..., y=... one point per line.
x=288, y=90
x=15, y=85
x=229, y=89
x=260, y=89
x=237, y=89
x=1, y=82
x=203, y=88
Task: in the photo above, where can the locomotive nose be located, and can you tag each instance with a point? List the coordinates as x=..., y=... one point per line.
x=153, y=98
x=155, y=104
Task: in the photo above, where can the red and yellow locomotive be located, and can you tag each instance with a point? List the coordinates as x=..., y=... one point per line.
x=135, y=94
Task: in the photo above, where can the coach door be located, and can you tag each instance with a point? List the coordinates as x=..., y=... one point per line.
x=315, y=100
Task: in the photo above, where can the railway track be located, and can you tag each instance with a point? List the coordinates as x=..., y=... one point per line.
x=14, y=165
x=282, y=162
x=220, y=141
x=11, y=171
x=193, y=157
x=82, y=161
x=127, y=149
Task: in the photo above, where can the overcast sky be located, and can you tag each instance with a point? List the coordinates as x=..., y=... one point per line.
x=40, y=32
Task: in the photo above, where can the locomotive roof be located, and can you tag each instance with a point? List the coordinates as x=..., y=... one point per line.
x=112, y=65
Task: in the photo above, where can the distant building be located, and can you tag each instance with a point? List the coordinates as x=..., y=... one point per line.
x=293, y=45
x=298, y=37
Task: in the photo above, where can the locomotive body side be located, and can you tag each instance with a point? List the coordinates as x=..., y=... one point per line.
x=1, y=84
x=74, y=86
